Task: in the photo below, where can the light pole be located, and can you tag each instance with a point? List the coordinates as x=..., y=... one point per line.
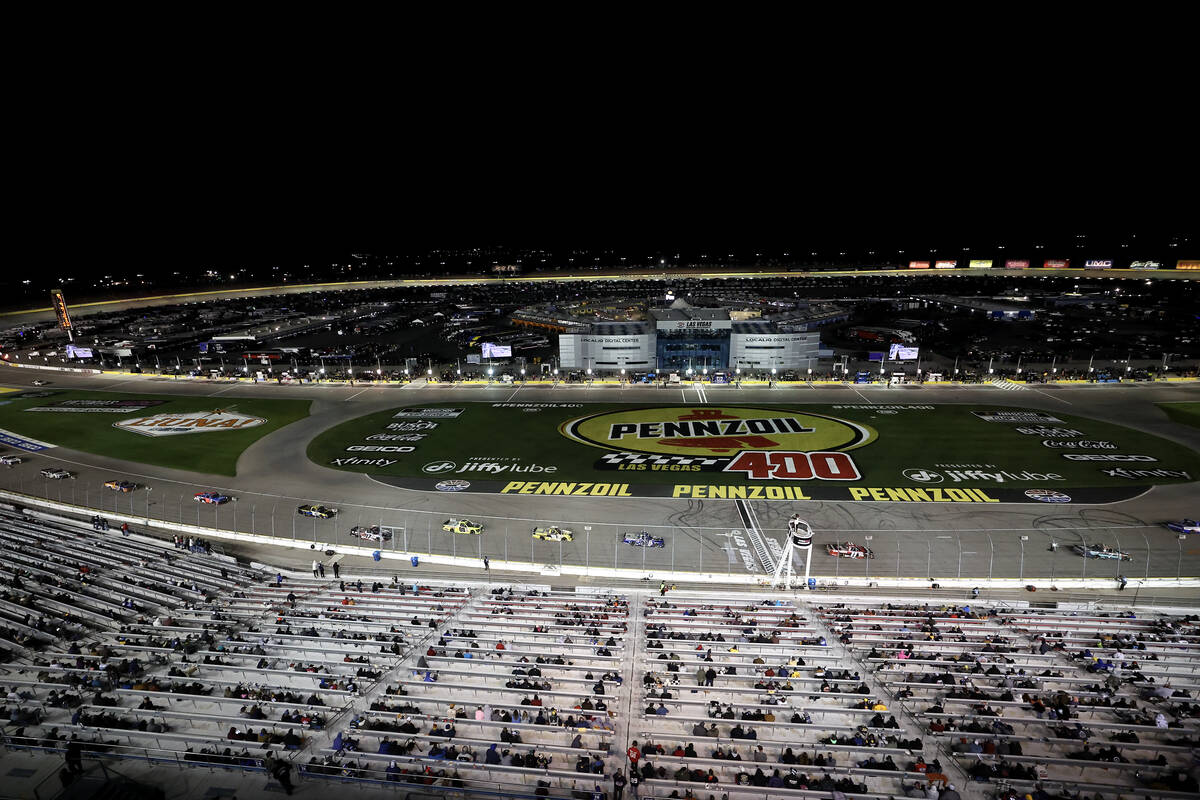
x=1021, y=568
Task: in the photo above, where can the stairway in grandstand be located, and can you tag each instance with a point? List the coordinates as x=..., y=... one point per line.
x=1004, y=383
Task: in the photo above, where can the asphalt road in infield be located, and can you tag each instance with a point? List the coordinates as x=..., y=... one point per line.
x=909, y=539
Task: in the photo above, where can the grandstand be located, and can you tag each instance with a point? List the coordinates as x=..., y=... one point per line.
x=135, y=652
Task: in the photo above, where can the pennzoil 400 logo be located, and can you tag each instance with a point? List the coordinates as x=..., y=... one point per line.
x=761, y=443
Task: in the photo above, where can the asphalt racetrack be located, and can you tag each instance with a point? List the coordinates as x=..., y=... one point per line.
x=909, y=539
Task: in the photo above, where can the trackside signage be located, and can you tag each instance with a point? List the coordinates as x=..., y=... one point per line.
x=195, y=422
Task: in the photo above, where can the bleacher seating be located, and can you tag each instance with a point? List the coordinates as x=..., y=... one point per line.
x=147, y=650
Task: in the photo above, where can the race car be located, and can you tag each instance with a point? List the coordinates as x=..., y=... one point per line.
x=10, y=461
x=848, y=550
x=41, y=383
x=462, y=526
x=643, y=539
x=55, y=474
x=1101, y=551
x=372, y=533
x=553, y=533
x=120, y=486
x=1187, y=526
x=321, y=512
x=212, y=498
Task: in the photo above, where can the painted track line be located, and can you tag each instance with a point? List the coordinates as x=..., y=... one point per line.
x=1047, y=394
x=863, y=396
x=226, y=389
x=750, y=523
x=356, y=394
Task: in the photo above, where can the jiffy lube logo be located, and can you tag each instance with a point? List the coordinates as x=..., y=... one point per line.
x=715, y=431
x=190, y=422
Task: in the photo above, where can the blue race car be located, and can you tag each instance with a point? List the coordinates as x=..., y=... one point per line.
x=213, y=498
x=643, y=539
x=1187, y=526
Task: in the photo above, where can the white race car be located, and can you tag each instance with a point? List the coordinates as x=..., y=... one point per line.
x=1101, y=551
x=10, y=461
x=372, y=533
x=848, y=550
x=55, y=474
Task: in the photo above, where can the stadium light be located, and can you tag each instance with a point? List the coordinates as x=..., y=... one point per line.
x=429, y=372
x=589, y=371
x=490, y=370
x=322, y=370
x=772, y=370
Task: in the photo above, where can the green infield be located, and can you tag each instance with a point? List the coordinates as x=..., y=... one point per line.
x=199, y=434
x=1183, y=413
x=903, y=453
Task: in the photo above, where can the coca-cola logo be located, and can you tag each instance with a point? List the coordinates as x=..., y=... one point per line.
x=1078, y=445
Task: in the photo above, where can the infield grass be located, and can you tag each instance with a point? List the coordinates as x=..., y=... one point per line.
x=1183, y=413
x=93, y=432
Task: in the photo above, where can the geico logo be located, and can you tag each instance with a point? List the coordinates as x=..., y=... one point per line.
x=1105, y=457
x=375, y=448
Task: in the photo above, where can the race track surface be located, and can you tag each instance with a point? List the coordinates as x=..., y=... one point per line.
x=909, y=539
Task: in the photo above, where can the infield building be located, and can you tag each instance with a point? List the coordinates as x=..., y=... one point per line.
x=681, y=337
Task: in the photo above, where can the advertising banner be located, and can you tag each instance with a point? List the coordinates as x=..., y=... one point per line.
x=60, y=309
x=945, y=264
x=1092, y=263
x=1019, y=264
x=1056, y=263
x=980, y=263
x=1145, y=265
x=496, y=350
x=918, y=265
x=875, y=356
x=78, y=352
x=1187, y=265
x=899, y=352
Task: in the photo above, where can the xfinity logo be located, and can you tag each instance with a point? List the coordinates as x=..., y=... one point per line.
x=1135, y=474
x=922, y=475
x=363, y=462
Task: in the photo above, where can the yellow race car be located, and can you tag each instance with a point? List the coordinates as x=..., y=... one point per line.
x=462, y=526
x=553, y=533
